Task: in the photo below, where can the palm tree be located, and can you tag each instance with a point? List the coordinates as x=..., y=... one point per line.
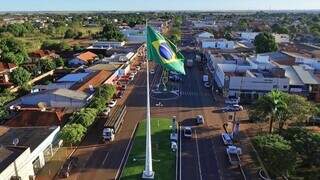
x=272, y=106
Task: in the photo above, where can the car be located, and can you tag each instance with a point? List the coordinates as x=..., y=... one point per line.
x=174, y=78
x=226, y=139
x=152, y=71
x=174, y=146
x=232, y=108
x=138, y=68
x=200, y=119
x=187, y=132
x=119, y=94
x=106, y=112
x=207, y=84
x=131, y=77
x=67, y=167
x=232, y=100
x=112, y=103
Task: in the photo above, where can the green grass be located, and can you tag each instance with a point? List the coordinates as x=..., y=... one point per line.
x=165, y=168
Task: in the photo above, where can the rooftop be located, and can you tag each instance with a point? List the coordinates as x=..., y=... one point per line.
x=6, y=66
x=28, y=136
x=9, y=154
x=94, y=80
x=305, y=76
x=37, y=118
x=75, y=77
x=87, y=56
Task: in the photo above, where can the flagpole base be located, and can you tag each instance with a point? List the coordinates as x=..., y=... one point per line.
x=148, y=175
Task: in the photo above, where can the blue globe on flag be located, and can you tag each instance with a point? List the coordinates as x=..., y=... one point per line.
x=165, y=51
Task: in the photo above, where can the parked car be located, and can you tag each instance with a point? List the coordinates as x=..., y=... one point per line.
x=131, y=77
x=70, y=164
x=207, y=84
x=187, y=132
x=174, y=146
x=232, y=100
x=314, y=121
x=174, y=78
x=152, y=71
x=200, y=119
x=106, y=112
x=231, y=108
x=226, y=139
x=138, y=68
x=119, y=94
x=112, y=103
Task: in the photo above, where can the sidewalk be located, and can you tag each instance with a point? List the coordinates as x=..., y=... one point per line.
x=52, y=167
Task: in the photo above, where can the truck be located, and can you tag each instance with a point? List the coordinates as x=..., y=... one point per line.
x=189, y=62
x=113, y=122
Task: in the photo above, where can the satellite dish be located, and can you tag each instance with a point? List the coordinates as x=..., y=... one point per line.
x=15, y=141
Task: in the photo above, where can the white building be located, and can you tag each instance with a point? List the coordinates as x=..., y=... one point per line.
x=106, y=44
x=135, y=35
x=281, y=38
x=218, y=44
x=25, y=150
x=56, y=98
x=248, y=36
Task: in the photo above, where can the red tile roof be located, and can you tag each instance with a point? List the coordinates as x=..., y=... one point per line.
x=87, y=56
x=6, y=66
x=36, y=118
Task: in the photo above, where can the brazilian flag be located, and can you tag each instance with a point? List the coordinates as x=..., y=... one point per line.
x=164, y=52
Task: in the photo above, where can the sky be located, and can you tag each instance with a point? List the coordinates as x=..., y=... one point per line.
x=150, y=5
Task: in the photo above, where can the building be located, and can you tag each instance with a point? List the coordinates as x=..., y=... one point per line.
x=27, y=116
x=281, y=38
x=25, y=150
x=58, y=98
x=135, y=35
x=83, y=59
x=106, y=44
x=217, y=44
x=43, y=54
x=248, y=36
x=5, y=70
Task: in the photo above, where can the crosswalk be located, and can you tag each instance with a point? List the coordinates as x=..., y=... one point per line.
x=190, y=93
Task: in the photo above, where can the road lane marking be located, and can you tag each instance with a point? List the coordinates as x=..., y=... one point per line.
x=105, y=158
x=126, y=155
x=199, y=165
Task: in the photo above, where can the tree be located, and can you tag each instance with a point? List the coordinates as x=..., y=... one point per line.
x=243, y=25
x=59, y=62
x=85, y=117
x=265, y=42
x=277, y=28
x=98, y=103
x=276, y=153
x=281, y=107
x=20, y=76
x=55, y=46
x=12, y=51
x=106, y=91
x=47, y=65
x=70, y=33
x=306, y=144
x=72, y=133
x=110, y=32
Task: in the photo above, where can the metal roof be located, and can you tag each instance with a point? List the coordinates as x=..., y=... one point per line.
x=73, y=77
x=291, y=74
x=305, y=76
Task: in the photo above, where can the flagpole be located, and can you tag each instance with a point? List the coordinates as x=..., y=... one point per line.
x=148, y=173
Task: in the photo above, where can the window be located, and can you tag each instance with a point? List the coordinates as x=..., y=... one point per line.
x=285, y=87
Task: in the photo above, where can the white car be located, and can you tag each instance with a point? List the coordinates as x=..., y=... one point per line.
x=174, y=146
x=207, y=85
x=232, y=100
x=200, y=119
x=112, y=103
x=187, y=132
x=232, y=108
x=226, y=139
x=106, y=112
x=151, y=71
x=138, y=68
